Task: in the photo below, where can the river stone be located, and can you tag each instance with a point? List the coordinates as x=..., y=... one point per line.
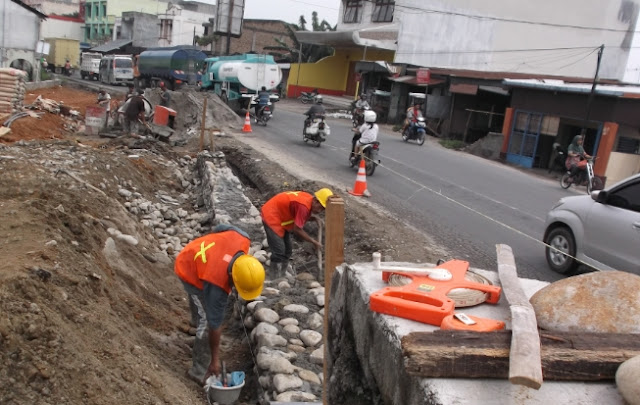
x=315, y=321
x=266, y=315
x=288, y=321
x=627, y=380
x=292, y=329
x=310, y=337
x=270, y=340
x=317, y=356
x=599, y=302
x=296, y=308
x=263, y=328
x=309, y=376
x=295, y=396
x=275, y=364
x=286, y=382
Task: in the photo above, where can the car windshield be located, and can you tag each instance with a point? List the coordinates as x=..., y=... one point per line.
x=124, y=63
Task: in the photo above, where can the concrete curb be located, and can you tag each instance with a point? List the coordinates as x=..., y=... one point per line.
x=43, y=84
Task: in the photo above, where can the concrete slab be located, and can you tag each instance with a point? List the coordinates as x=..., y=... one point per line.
x=380, y=354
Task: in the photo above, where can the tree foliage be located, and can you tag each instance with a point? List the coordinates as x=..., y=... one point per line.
x=310, y=53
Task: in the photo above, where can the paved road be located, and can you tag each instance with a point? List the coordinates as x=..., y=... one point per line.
x=467, y=204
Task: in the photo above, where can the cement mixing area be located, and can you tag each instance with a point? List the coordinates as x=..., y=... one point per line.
x=91, y=311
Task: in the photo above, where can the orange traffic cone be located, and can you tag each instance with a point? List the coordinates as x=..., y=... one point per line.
x=360, y=188
x=247, y=123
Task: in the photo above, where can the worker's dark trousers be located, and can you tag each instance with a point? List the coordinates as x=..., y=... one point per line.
x=281, y=251
x=201, y=352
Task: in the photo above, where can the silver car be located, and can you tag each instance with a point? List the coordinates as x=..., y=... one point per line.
x=601, y=230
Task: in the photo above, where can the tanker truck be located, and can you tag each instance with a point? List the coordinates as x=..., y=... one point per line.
x=235, y=78
x=173, y=65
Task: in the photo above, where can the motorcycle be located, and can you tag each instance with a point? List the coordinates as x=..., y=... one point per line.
x=417, y=131
x=357, y=118
x=369, y=153
x=584, y=177
x=263, y=114
x=308, y=97
x=316, y=131
x=560, y=158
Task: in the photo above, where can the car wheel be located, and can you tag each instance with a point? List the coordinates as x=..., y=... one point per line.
x=561, y=250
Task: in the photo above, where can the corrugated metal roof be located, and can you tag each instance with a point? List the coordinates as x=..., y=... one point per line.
x=584, y=88
x=111, y=46
x=464, y=88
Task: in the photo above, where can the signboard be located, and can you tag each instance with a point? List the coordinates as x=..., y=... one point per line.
x=423, y=76
x=228, y=21
x=94, y=119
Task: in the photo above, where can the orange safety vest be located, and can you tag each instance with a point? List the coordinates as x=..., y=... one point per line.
x=276, y=212
x=207, y=259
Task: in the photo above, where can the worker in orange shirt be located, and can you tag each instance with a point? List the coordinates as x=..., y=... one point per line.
x=287, y=213
x=209, y=267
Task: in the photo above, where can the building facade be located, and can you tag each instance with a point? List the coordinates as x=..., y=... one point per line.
x=63, y=27
x=100, y=15
x=19, y=36
x=181, y=22
x=69, y=8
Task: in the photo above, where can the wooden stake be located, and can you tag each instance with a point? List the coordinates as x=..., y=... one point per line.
x=334, y=256
x=202, y=124
x=525, y=367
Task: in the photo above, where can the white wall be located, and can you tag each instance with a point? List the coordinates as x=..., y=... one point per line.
x=444, y=39
x=19, y=34
x=52, y=28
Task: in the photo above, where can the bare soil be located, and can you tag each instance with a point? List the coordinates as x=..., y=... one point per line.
x=84, y=324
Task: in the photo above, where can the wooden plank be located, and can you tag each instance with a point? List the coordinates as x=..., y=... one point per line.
x=524, y=358
x=334, y=256
x=565, y=356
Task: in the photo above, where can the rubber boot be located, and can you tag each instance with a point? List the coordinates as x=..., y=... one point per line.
x=201, y=355
x=277, y=271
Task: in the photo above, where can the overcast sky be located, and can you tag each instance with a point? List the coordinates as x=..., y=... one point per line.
x=290, y=10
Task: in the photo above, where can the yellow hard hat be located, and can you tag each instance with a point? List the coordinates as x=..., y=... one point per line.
x=322, y=196
x=248, y=277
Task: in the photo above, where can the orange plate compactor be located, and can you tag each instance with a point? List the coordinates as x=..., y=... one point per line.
x=425, y=298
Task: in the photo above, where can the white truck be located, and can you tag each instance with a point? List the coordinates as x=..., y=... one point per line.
x=90, y=65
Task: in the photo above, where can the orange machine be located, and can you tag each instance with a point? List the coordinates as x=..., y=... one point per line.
x=425, y=298
x=164, y=116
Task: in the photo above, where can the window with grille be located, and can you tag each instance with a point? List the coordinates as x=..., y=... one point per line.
x=352, y=11
x=383, y=10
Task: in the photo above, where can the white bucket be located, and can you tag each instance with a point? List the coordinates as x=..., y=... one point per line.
x=224, y=395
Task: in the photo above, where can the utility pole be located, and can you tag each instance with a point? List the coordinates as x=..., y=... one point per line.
x=593, y=91
x=229, y=19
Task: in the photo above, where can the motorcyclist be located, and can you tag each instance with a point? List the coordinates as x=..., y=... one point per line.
x=359, y=107
x=314, y=111
x=263, y=100
x=575, y=156
x=367, y=133
x=413, y=113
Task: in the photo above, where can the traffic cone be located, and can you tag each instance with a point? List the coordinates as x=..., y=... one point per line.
x=360, y=188
x=247, y=123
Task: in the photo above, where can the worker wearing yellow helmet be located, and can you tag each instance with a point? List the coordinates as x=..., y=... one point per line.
x=209, y=267
x=287, y=213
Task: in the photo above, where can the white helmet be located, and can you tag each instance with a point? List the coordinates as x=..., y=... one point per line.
x=370, y=116
x=319, y=99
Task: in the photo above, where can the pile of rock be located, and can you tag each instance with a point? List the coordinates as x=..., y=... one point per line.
x=287, y=325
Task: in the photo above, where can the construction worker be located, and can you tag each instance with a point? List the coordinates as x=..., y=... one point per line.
x=287, y=213
x=165, y=95
x=104, y=101
x=209, y=267
x=134, y=113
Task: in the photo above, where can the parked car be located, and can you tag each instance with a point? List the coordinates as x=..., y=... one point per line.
x=601, y=230
x=116, y=69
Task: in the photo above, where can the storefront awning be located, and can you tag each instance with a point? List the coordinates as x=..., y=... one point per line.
x=413, y=81
x=464, y=88
x=384, y=37
x=380, y=67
